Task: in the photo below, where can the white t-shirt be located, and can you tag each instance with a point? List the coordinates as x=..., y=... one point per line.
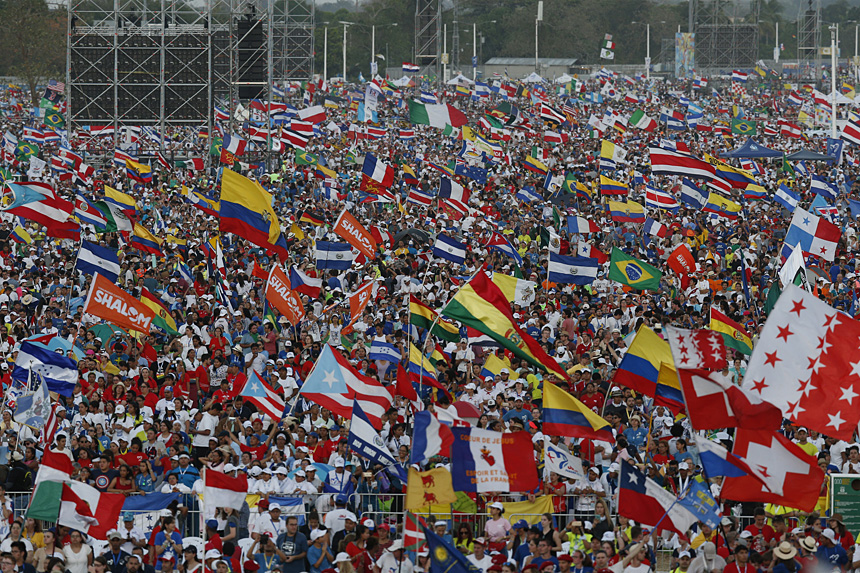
x=483, y=564
x=388, y=564
x=205, y=423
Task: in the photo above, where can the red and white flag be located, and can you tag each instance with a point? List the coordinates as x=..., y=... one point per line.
x=807, y=363
x=54, y=467
x=788, y=468
x=222, y=490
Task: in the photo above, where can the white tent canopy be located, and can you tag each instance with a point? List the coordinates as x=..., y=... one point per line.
x=402, y=82
x=460, y=80
x=563, y=79
x=533, y=78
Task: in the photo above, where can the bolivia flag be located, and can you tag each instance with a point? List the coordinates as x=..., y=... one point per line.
x=564, y=415
x=481, y=305
x=734, y=335
x=76, y=505
x=162, y=319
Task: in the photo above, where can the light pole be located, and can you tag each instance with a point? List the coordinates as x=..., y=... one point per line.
x=345, y=24
x=834, y=28
x=538, y=20
x=325, y=52
x=648, y=48
x=373, y=40
x=474, y=51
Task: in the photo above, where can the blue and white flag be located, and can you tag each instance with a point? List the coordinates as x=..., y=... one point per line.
x=145, y=509
x=59, y=372
x=449, y=249
x=32, y=409
x=365, y=441
x=528, y=194
x=94, y=259
x=381, y=350
x=336, y=256
x=800, y=167
x=823, y=187
x=558, y=459
x=572, y=270
x=786, y=197
x=290, y=506
x=692, y=195
x=834, y=149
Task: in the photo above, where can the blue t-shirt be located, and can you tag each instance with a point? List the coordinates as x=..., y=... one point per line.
x=175, y=537
x=293, y=545
x=268, y=563
x=314, y=554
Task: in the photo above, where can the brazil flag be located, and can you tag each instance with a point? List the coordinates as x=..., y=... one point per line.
x=633, y=272
x=743, y=127
x=54, y=119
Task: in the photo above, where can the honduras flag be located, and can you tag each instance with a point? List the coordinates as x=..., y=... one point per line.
x=449, y=249
x=786, y=197
x=336, y=256
x=365, y=440
x=381, y=350
x=94, y=259
x=59, y=372
x=823, y=187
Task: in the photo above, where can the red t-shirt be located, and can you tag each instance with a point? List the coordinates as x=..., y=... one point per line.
x=766, y=531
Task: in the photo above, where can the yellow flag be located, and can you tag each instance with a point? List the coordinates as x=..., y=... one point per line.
x=429, y=488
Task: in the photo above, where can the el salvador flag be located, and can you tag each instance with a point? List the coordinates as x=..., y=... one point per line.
x=334, y=255
x=786, y=197
x=59, y=372
x=94, y=259
x=381, y=350
x=692, y=195
x=365, y=440
x=449, y=249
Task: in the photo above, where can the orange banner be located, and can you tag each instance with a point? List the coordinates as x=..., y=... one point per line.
x=108, y=301
x=280, y=296
x=355, y=234
x=358, y=302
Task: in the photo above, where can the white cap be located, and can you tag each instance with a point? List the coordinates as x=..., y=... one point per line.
x=316, y=534
x=498, y=506
x=342, y=557
x=338, y=463
x=829, y=534
x=398, y=544
x=212, y=554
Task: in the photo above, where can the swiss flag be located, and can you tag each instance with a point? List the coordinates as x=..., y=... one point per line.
x=714, y=402
x=776, y=457
x=807, y=363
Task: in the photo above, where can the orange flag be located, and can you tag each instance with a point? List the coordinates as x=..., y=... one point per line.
x=354, y=233
x=358, y=302
x=108, y=301
x=280, y=296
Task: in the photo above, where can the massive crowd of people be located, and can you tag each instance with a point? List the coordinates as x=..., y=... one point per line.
x=148, y=414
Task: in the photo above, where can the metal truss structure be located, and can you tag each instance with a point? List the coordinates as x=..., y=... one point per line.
x=726, y=34
x=809, y=40
x=169, y=62
x=428, y=36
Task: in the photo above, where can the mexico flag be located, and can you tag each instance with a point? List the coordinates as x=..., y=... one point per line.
x=55, y=466
x=76, y=505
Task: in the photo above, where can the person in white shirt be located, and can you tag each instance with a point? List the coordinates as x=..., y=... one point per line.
x=478, y=558
x=335, y=518
x=270, y=523
x=133, y=535
x=588, y=491
x=393, y=561
x=285, y=484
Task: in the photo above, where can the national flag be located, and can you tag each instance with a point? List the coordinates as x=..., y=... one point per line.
x=246, y=211
x=659, y=199
x=430, y=438
x=721, y=206
x=449, y=249
x=571, y=270
x=480, y=304
x=163, y=318
x=642, y=121
x=528, y=194
x=793, y=471
x=551, y=115
x=498, y=242
x=125, y=202
x=743, y=127
x=314, y=114
x=20, y=235
x=644, y=500
x=611, y=187
x=654, y=228
x=336, y=256
x=755, y=193
x=823, y=187
x=718, y=461
x=233, y=146
x=734, y=335
x=626, y=212
x=334, y=384
x=633, y=272
x=143, y=240
x=303, y=283
x=484, y=461
x=58, y=371
x=667, y=162
x=375, y=173
x=116, y=219
x=564, y=415
x=410, y=68
x=423, y=316
x=263, y=396
x=53, y=214
x=76, y=505
x=138, y=172
x=222, y=490
x=365, y=441
x=436, y=115
x=581, y=225
x=815, y=235
x=802, y=363
x=642, y=365
x=386, y=351
x=534, y=165
x=54, y=466
x=93, y=258
x=418, y=197
x=786, y=197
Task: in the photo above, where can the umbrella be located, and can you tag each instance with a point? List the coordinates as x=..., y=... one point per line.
x=416, y=235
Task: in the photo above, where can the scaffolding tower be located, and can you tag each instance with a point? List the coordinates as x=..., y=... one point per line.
x=428, y=39
x=809, y=41
x=169, y=62
x=726, y=34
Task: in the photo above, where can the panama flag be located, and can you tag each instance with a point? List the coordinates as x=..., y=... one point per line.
x=483, y=460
